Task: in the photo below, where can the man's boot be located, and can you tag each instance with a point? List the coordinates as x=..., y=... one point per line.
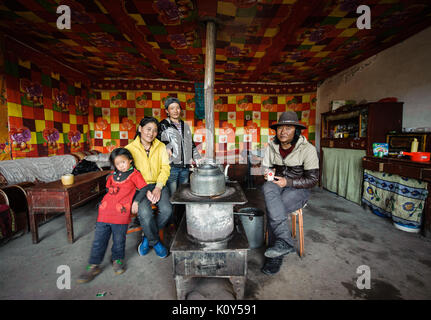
x=272, y=265
x=279, y=249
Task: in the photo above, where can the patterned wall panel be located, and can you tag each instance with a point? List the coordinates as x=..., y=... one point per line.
x=241, y=120
x=47, y=114
x=4, y=132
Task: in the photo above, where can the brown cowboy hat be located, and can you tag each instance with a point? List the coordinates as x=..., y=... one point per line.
x=288, y=118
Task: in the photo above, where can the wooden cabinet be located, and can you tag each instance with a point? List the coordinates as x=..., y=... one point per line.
x=402, y=142
x=358, y=127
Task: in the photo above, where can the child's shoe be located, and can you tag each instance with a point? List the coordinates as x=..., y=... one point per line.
x=143, y=247
x=160, y=249
x=118, y=266
x=90, y=272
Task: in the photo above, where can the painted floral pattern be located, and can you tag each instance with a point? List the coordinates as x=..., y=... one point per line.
x=243, y=104
x=74, y=138
x=61, y=99
x=20, y=138
x=171, y=13
x=82, y=104
x=51, y=135
x=126, y=124
x=33, y=92
x=111, y=145
x=142, y=100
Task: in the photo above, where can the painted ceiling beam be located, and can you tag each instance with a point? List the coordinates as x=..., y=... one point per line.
x=127, y=26
x=301, y=10
x=207, y=8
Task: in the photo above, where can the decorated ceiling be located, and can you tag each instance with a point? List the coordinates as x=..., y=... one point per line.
x=257, y=40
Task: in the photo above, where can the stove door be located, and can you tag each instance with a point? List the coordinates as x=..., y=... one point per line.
x=210, y=264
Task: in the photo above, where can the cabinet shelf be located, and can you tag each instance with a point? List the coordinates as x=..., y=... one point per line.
x=346, y=143
x=358, y=127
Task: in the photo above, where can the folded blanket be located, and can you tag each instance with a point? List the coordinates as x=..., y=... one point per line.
x=44, y=169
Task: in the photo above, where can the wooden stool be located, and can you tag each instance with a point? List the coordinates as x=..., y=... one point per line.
x=155, y=211
x=301, y=230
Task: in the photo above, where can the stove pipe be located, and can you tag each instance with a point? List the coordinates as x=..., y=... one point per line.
x=209, y=86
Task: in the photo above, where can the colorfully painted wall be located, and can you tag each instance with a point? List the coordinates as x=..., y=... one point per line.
x=52, y=111
x=242, y=120
x=47, y=113
x=4, y=130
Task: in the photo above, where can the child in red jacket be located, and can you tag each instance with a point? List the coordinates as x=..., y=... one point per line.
x=114, y=213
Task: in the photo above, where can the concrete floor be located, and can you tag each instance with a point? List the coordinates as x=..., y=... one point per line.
x=340, y=236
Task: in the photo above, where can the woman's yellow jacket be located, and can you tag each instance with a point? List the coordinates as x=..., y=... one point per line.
x=155, y=168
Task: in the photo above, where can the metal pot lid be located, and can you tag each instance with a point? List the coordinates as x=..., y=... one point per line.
x=208, y=161
x=233, y=195
x=208, y=166
x=209, y=169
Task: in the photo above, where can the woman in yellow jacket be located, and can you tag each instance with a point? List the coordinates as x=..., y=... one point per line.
x=152, y=160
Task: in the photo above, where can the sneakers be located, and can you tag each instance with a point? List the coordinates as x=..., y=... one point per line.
x=93, y=269
x=143, y=247
x=118, y=266
x=280, y=248
x=160, y=249
x=90, y=272
x=272, y=265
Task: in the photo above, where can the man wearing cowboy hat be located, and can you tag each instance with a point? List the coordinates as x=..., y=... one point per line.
x=296, y=167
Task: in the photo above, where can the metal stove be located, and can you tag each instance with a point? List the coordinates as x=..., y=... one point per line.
x=208, y=242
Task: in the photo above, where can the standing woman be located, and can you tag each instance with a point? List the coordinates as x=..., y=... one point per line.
x=177, y=136
x=152, y=160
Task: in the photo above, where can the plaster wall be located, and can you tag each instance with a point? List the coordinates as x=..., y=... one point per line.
x=402, y=71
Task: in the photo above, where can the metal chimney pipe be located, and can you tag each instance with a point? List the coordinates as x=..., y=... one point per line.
x=209, y=87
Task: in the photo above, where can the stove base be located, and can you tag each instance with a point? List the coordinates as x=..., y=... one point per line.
x=184, y=285
x=198, y=259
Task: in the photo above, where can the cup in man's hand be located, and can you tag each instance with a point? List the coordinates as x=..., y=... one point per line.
x=269, y=174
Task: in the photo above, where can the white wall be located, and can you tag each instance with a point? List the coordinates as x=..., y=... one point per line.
x=402, y=71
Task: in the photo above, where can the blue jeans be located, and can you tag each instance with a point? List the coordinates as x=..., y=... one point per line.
x=178, y=176
x=280, y=202
x=150, y=223
x=101, y=238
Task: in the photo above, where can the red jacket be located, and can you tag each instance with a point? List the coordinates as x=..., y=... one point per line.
x=117, y=203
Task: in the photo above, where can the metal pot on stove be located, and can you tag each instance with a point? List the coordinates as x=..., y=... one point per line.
x=207, y=179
